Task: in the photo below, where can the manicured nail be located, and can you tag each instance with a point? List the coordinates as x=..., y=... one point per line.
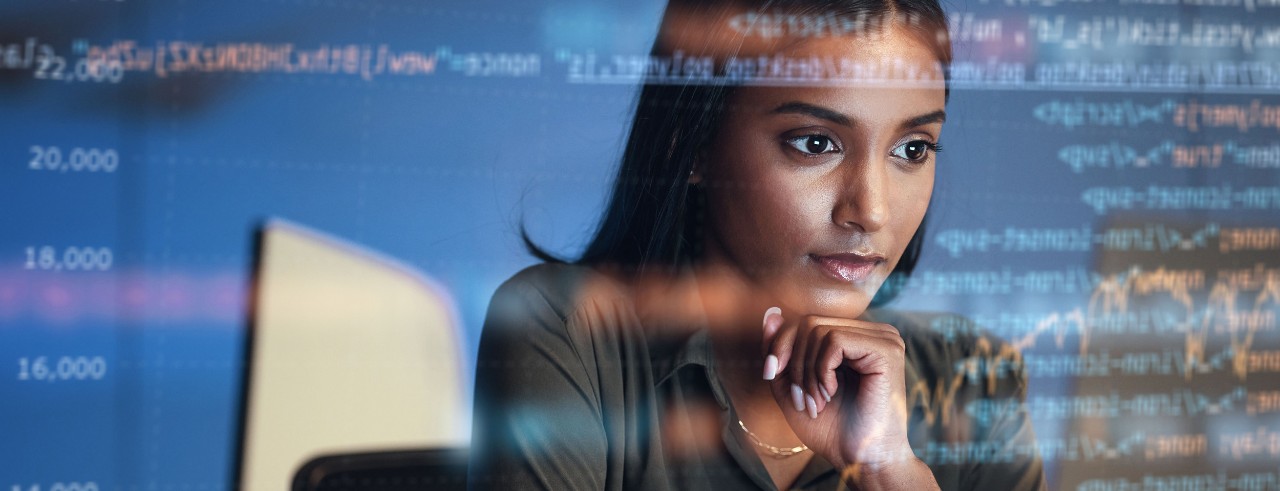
x=765, y=322
x=812, y=406
x=823, y=391
x=771, y=310
x=797, y=397
x=770, y=367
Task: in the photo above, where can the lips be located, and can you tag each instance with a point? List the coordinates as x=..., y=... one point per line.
x=847, y=267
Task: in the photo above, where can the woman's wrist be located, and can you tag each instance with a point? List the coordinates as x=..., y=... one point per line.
x=890, y=471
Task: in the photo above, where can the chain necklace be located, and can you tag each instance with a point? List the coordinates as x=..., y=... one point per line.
x=775, y=452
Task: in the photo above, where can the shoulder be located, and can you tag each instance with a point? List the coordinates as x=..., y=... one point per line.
x=557, y=282
x=556, y=288
x=572, y=303
x=547, y=381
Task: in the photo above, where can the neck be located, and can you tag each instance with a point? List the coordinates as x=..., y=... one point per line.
x=734, y=319
x=740, y=365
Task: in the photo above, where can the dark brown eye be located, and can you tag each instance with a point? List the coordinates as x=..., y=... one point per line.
x=914, y=150
x=813, y=144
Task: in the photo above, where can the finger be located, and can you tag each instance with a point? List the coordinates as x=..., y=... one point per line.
x=781, y=346
x=878, y=327
x=829, y=359
x=863, y=353
x=814, y=339
x=874, y=357
x=854, y=323
x=883, y=330
x=798, y=369
x=772, y=323
x=781, y=389
x=890, y=339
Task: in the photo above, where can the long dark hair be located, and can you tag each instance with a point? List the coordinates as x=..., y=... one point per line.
x=653, y=219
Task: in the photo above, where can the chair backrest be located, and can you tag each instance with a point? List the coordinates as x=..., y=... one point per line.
x=348, y=352
x=440, y=469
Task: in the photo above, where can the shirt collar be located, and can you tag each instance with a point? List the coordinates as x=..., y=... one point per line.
x=695, y=351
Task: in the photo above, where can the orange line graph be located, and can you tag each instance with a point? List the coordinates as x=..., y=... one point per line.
x=1221, y=314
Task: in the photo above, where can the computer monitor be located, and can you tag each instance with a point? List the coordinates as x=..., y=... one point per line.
x=348, y=351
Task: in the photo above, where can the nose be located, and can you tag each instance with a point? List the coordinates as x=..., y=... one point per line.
x=862, y=199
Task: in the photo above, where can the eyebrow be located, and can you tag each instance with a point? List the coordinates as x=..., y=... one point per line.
x=938, y=116
x=796, y=107
x=815, y=111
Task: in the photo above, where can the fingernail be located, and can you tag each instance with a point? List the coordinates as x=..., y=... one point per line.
x=770, y=367
x=797, y=397
x=771, y=310
x=825, y=395
x=770, y=331
x=812, y=405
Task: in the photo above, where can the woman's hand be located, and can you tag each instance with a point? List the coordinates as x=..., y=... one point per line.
x=841, y=384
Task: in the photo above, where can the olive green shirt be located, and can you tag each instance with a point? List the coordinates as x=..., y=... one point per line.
x=573, y=392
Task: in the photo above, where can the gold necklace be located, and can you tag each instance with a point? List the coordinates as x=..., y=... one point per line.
x=775, y=452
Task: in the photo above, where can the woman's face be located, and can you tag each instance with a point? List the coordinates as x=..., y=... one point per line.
x=813, y=193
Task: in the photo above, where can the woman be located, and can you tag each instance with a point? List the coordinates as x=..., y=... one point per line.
x=716, y=333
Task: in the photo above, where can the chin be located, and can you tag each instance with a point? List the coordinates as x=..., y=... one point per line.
x=848, y=303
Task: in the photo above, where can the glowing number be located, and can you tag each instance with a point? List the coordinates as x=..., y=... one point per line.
x=110, y=160
x=53, y=158
x=97, y=370
x=39, y=370
x=66, y=368
x=46, y=258
x=105, y=257
x=79, y=159
x=73, y=258
x=99, y=70
x=93, y=158
x=59, y=486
